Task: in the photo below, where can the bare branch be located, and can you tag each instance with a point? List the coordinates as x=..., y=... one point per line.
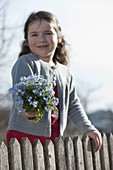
x=86, y=93
x=7, y=33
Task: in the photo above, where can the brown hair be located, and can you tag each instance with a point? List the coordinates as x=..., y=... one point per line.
x=61, y=53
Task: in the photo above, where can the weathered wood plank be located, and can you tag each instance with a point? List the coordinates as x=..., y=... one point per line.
x=38, y=156
x=60, y=154
x=49, y=155
x=110, y=149
x=69, y=152
x=4, y=164
x=87, y=151
x=78, y=149
x=96, y=157
x=14, y=155
x=104, y=156
x=27, y=155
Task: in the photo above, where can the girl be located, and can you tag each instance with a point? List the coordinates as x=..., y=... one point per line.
x=44, y=51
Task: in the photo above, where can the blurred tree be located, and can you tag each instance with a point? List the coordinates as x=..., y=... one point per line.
x=5, y=101
x=7, y=35
x=5, y=38
x=7, y=32
x=86, y=93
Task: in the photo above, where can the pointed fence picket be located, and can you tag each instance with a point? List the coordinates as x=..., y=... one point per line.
x=67, y=154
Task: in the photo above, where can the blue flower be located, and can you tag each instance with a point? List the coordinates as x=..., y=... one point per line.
x=19, y=101
x=34, y=93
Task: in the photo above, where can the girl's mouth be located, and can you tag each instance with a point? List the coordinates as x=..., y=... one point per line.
x=42, y=46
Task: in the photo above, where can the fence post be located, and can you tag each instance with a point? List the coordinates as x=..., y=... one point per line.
x=27, y=156
x=96, y=157
x=60, y=154
x=69, y=151
x=87, y=151
x=110, y=149
x=49, y=155
x=78, y=149
x=104, y=156
x=14, y=155
x=4, y=164
x=38, y=155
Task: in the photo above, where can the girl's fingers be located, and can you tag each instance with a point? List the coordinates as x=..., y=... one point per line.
x=29, y=114
x=96, y=136
x=97, y=143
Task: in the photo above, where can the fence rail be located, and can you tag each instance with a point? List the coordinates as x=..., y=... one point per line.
x=68, y=154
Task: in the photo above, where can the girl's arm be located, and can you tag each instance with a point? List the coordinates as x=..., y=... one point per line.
x=78, y=115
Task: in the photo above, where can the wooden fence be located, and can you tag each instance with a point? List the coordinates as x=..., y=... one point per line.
x=68, y=154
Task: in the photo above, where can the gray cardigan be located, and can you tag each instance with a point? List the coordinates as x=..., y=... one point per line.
x=69, y=103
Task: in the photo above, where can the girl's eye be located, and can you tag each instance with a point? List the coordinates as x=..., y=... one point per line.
x=48, y=33
x=33, y=35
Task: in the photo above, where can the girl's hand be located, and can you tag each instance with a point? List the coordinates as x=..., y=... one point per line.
x=29, y=114
x=96, y=136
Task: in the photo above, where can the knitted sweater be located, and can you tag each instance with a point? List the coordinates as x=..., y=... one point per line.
x=69, y=103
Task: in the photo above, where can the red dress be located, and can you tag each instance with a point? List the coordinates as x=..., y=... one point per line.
x=55, y=130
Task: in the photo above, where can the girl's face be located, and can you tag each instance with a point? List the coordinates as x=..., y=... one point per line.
x=42, y=39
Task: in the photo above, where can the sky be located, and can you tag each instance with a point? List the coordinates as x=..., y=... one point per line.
x=87, y=25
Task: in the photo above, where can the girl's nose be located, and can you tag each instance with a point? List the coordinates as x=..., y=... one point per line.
x=42, y=38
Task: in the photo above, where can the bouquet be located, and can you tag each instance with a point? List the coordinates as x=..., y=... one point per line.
x=34, y=93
